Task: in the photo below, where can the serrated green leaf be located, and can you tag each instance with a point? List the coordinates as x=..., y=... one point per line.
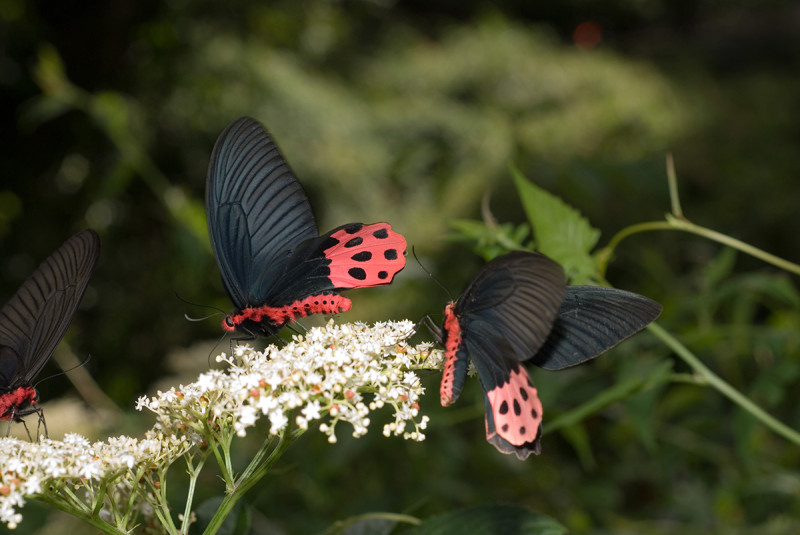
x=560, y=231
x=491, y=241
x=490, y=520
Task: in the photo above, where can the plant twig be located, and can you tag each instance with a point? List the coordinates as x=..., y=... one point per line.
x=722, y=386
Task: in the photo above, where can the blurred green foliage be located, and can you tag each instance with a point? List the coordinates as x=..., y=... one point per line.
x=411, y=113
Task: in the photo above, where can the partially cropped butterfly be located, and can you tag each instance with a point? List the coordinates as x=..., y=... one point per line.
x=275, y=266
x=35, y=319
x=519, y=308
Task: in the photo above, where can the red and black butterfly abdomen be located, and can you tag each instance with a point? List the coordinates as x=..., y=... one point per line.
x=454, y=373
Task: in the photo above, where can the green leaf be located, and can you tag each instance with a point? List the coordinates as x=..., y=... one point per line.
x=491, y=241
x=561, y=232
x=490, y=520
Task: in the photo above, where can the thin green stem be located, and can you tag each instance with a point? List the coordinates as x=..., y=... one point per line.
x=605, y=254
x=672, y=182
x=677, y=221
x=77, y=502
x=257, y=468
x=87, y=517
x=194, y=473
x=161, y=506
x=688, y=226
x=133, y=498
x=723, y=387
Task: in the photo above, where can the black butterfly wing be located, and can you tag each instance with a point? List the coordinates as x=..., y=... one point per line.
x=504, y=314
x=591, y=320
x=35, y=319
x=257, y=211
x=515, y=296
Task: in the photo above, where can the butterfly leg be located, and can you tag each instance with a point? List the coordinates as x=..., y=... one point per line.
x=428, y=322
x=26, y=428
x=41, y=423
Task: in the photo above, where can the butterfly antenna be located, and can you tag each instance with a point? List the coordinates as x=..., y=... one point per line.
x=64, y=372
x=218, y=310
x=216, y=344
x=431, y=275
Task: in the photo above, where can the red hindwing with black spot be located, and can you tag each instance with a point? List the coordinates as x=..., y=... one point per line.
x=275, y=266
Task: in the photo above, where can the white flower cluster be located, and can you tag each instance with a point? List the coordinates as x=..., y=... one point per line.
x=339, y=371
x=47, y=466
x=329, y=371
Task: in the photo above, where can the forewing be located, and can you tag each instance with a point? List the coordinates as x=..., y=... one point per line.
x=257, y=211
x=516, y=296
x=591, y=320
x=35, y=319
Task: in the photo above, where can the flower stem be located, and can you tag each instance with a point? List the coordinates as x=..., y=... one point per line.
x=194, y=473
x=252, y=474
x=87, y=517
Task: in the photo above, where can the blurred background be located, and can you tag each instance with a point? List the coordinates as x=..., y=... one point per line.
x=411, y=113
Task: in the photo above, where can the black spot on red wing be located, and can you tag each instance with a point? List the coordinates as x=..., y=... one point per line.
x=381, y=234
x=522, y=430
x=505, y=428
x=533, y=413
x=328, y=243
x=352, y=228
x=355, y=241
x=503, y=408
x=357, y=273
x=517, y=408
x=390, y=254
x=382, y=275
x=523, y=394
x=363, y=256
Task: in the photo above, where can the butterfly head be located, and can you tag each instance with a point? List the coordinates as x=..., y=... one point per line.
x=228, y=324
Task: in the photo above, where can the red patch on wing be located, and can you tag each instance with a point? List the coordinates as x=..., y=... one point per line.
x=10, y=402
x=314, y=304
x=365, y=255
x=516, y=409
x=453, y=330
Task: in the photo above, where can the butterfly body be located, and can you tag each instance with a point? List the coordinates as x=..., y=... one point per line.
x=18, y=403
x=519, y=308
x=36, y=317
x=275, y=266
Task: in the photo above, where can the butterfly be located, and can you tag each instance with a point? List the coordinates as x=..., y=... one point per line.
x=275, y=266
x=519, y=309
x=35, y=319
